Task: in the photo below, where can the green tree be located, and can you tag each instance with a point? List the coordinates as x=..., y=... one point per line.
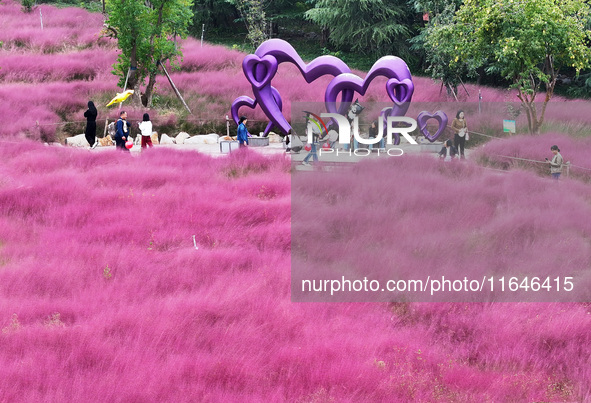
x=365, y=26
x=438, y=45
x=27, y=5
x=526, y=42
x=434, y=7
x=253, y=15
x=146, y=32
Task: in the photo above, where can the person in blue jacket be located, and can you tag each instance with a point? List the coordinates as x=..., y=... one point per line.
x=122, y=131
x=243, y=132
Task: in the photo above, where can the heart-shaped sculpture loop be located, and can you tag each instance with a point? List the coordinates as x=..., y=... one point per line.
x=252, y=104
x=439, y=116
x=259, y=71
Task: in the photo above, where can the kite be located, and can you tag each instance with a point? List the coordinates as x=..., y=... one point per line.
x=121, y=96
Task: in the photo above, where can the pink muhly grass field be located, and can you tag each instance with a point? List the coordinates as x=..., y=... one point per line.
x=104, y=297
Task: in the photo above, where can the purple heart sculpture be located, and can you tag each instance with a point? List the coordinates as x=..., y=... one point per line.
x=252, y=103
x=439, y=116
x=261, y=67
x=279, y=51
x=259, y=71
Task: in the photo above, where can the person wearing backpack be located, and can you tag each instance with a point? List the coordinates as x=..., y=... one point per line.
x=122, y=131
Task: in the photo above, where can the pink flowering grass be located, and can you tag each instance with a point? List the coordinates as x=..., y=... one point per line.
x=62, y=28
x=431, y=218
x=512, y=152
x=75, y=66
x=104, y=297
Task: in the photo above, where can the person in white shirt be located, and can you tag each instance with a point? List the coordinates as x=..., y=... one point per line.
x=146, y=129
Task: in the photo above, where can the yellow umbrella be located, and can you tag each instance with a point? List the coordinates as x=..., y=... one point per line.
x=121, y=96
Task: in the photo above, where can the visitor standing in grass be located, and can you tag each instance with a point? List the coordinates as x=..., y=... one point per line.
x=146, y=129
x=312, y=153
x=242, y=132
x=122, y=131
x=90, y=131
x=460, y=129
x=555, y=163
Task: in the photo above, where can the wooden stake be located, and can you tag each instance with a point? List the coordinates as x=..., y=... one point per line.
x=176, y=91
x=453, y=92
x=464, y=86
x=106, y=124
x=125, y=86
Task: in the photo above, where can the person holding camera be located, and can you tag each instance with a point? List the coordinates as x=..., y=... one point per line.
x=555, y=163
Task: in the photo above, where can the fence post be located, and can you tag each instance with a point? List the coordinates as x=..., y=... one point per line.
x=106, y=124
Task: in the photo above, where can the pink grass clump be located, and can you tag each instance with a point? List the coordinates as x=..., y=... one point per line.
x=84, y=65
x=208, y=57
x=61, y=28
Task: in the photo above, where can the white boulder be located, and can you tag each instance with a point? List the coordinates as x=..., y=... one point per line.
x=203, y=139
x=181, y=137
x=77, y=141
x=165, y=139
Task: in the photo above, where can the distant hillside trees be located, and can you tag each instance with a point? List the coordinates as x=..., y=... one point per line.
x=374, y=27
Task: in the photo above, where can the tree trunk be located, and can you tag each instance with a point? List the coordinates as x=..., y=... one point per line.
x=536, y=124
x=549, y=93
x=133, y=80
x=526, y=105
x=480, y=73
x=324, y=37
x=149, y=94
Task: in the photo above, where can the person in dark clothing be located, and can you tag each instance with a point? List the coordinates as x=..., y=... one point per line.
x=460, y=128
x=373, y=133
x=122, y=131
x=453, y=151
x=90, y=131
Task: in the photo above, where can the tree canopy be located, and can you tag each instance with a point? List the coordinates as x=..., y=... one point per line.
x=365, y=26
x=146, y=32
x=523, y=41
